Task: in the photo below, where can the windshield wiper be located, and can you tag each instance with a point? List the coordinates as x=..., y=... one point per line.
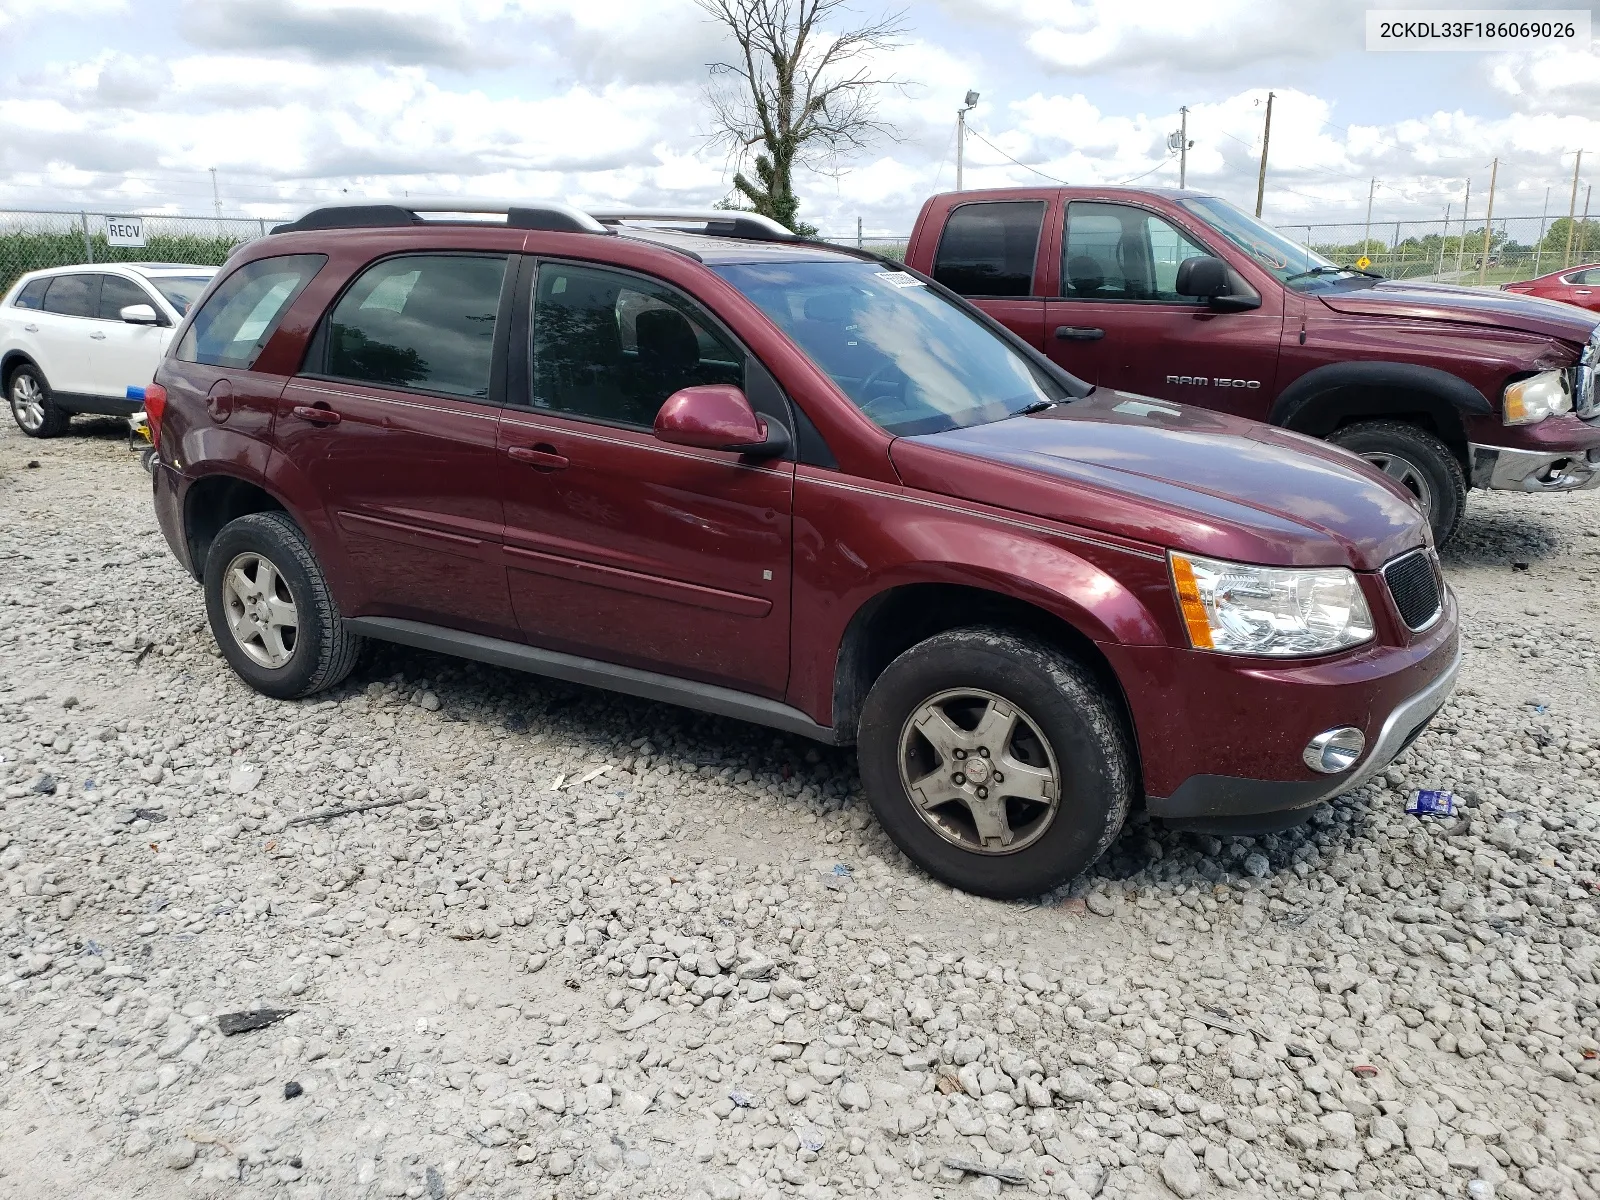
x=1038, y=406
x=1326, y=270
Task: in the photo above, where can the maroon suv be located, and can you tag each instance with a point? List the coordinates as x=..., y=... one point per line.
x=1181, y=296
x=695, y=459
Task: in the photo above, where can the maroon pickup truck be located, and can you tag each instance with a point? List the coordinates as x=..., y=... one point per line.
x=1181, y=296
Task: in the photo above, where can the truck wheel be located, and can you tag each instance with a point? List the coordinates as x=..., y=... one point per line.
x=1419, y=462
x=271, y=610
x=31, y=407
x=996, y=763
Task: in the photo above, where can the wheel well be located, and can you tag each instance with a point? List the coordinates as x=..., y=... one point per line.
x=894, y=621
x=1338, y=407
x=9, y=364
x=213, y=502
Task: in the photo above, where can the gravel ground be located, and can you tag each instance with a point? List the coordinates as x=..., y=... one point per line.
x=600, y=947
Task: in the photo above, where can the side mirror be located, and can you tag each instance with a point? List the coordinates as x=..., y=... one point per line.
x=140, y=314
x=1210, y=279
x=1202, y=276
x=716, y=416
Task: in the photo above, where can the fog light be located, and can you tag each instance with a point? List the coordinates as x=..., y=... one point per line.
x=1335, y=750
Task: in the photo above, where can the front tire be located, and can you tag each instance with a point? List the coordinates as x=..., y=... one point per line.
x=1419, y=462
x=997, y=763
x=32, y=407
x=271, y=610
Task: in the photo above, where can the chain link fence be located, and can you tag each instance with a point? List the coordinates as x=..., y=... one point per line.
x=1454, y=252
x=32, y=240
x=1449, y=252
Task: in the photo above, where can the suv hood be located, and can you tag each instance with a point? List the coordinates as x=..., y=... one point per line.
x=1177, y=477
x=1469, y=306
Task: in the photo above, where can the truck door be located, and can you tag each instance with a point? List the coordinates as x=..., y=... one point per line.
x=988, y=252
x=1119, y=321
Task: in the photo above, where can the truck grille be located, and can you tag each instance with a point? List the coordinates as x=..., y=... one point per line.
x=1414, y=583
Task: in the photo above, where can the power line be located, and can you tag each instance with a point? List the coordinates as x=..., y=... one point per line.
x=1009, y=159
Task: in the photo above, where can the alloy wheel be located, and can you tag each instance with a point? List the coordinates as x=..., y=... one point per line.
x=27, y=402
x=1406, y=473
x=260, y=608
x=979, y=771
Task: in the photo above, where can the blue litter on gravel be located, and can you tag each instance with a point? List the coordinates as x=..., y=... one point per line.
x=842, y=871
x=1430, y=803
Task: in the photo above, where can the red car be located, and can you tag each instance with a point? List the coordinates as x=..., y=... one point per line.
x=1181, y=296
x=1579, y=285
x=695, y=459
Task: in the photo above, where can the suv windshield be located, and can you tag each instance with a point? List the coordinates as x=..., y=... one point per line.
x=180, y=290
x=909, y=359
x=1296, y=266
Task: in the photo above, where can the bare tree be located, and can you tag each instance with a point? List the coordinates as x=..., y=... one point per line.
x=796, y=94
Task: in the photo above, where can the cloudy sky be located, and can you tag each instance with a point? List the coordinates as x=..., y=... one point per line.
x=128, y=104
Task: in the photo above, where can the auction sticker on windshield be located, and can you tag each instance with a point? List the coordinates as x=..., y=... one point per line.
x=899, y=278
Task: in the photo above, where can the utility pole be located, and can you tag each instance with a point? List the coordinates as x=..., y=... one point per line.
x=1366, y=232
x=1461, y=242
x=858, y=233
x=1488, y=224
x=1583, y=238
x=1183, y=147
x=1572, y=212
x=1538, y=249
x=961, y=133
x=1443, y=240
x=216, y=197
x=1266, y=138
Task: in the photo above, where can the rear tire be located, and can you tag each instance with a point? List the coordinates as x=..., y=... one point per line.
x=1419, y=462
x=271, y=610
x=996, y=763
x=31, y=405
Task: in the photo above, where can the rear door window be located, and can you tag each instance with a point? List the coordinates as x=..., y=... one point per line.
x=241, y=316
x=32, y=296
x=420, y=321
x=117, y=293
x=72, y=295
x=988, y=249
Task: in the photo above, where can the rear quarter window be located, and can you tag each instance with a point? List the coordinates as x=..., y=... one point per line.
x=988, y=248
x=236, y=322
x=32, y=295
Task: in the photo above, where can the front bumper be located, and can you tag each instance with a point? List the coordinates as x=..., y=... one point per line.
x=1223, y=804
x=1505, y=468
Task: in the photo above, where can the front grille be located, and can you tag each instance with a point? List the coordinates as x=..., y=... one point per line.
x=1414, y=583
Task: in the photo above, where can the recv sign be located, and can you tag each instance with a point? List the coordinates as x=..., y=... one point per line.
x=125, y=231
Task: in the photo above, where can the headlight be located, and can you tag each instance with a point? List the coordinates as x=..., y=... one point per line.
x=1531, y=400
x=1280, y=612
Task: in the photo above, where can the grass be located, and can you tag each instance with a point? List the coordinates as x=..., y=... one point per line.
x=24, y=251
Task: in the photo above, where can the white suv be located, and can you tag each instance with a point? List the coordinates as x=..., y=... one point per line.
x=75, y=339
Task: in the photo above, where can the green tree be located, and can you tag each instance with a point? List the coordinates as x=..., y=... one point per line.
x=1585, y=239
x=794, y=95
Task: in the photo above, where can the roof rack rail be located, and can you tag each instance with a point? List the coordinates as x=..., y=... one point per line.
x=718, y=222
x=547, y=215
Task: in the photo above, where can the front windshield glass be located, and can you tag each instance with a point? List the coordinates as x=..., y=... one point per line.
x=907, y=357
x=180, y=290
x=1296, y=266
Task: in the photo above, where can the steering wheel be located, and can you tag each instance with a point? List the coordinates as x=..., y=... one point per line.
x=879, y=376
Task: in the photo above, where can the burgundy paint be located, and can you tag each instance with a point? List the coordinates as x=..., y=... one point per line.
x=712, y=416
x=595, y=539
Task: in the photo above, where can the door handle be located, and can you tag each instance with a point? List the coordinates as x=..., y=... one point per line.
x=98, y=336
x=30, y=329
x=542, y=456
x=316, y=414
x=1078, y=333
x=1581, y=292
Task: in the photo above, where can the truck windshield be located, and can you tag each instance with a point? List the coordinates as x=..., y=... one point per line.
x=910, y=359
x=1296, y=266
